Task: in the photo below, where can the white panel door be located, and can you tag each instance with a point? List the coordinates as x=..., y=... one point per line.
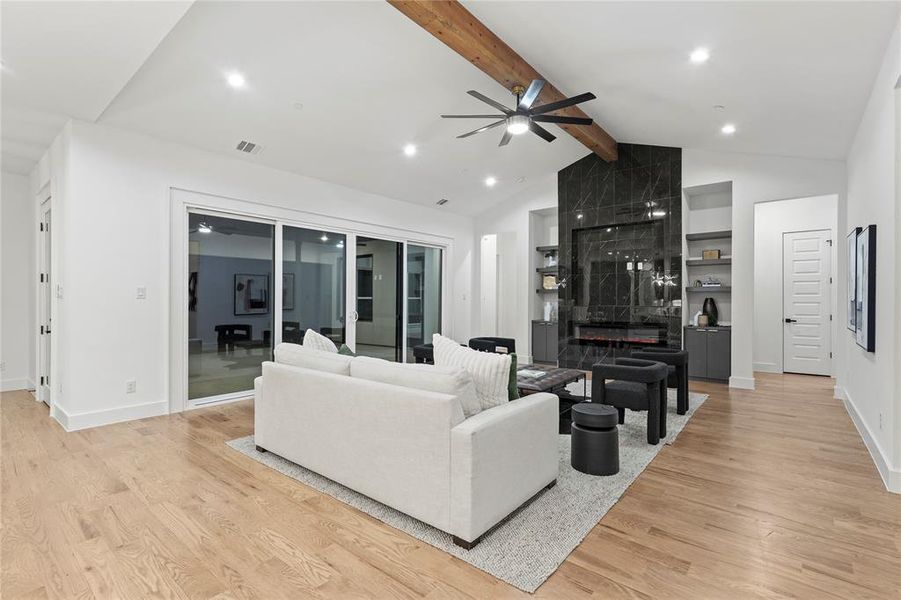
x=806, y=303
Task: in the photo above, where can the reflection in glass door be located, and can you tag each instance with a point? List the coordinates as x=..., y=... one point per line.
x=313, y=284
x=379, y=268
x=423, y=295
x=230, y=308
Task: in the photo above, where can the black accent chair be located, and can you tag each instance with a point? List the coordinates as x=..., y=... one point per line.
x=637, y=385
x=491, y=344
x=230, y=336
x=424, y=354
x=677, y=367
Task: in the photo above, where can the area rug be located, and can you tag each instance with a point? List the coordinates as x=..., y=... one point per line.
x=526, y=548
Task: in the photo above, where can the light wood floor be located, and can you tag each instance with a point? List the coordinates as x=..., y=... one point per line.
x=766, y=494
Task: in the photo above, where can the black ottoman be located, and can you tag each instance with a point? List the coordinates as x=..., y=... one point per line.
x=595, y=439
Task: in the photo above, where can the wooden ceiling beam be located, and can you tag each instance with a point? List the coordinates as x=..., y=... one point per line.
x=457, y=28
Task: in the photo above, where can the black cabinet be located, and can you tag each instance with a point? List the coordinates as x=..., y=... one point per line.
x=709, y=352
x=544, y=342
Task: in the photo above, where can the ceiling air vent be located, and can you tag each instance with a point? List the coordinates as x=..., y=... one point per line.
x=442, y=202
x=249, y=147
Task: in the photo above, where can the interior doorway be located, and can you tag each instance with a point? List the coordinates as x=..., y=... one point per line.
x=806, y=272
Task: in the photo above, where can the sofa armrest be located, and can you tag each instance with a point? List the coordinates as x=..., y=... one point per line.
x=500, y=458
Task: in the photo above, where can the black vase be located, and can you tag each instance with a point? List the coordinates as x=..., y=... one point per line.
x=710, y=311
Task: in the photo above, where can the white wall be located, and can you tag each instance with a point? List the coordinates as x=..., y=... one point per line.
x=512, y=215
x=756, y=178
x=771, y=221
x=868, y=380
x=114, y=237
x=17, y=289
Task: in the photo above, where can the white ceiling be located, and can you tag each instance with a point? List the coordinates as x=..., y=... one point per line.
x=69, y=59
x=794, y=78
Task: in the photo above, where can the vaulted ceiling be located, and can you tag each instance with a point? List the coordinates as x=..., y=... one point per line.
x=336, y=89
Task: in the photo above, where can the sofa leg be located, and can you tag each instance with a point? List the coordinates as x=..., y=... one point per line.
x=260, y=449
x=551, y=484
x=466, y=545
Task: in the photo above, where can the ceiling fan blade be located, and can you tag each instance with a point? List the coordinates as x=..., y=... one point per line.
x=531, y=94
x=488, y=100
x=472, y=116
x=562, y=120
x=506, y=139
x=541, y=132
x=481, y=129
x=546, y=108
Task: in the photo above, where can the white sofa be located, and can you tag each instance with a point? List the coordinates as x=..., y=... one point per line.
x=408, y=448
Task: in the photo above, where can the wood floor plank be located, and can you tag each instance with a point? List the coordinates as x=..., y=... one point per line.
x=766, y=494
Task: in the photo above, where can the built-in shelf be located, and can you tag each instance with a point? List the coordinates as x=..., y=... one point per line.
x=700, y=262
x=700, y=288
x=546, y=248
x=546, y=269
x=708, y=235
x=544, y=291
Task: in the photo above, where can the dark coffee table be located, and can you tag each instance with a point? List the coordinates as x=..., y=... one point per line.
x=554, y=381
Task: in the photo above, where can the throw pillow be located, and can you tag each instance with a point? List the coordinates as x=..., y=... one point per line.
x=317, y=341
x=512, y=390
x=490, y=372
x=307, y=358
x=346, y=351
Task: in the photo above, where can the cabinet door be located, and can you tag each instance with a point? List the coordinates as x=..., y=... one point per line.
x=551, y=343
x=719, y=354
x=539, y=342
x=696, y=345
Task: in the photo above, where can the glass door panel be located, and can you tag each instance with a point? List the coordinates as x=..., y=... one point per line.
x=230, y=267
x=379, y=282
x=313, y=284
x=423, y=295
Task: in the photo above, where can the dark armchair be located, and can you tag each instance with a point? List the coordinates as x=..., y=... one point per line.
x=637, y=385
x=677, y=363
x=493, y=344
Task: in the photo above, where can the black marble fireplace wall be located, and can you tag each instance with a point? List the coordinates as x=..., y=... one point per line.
x=620, y=236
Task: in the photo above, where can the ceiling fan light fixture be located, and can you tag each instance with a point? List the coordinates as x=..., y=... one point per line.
x=204, y=228
x=517, y=124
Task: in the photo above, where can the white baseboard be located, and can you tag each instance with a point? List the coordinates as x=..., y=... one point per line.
x=891, y=477
x=742, y=383
x=9, y=385
x=765, y=367
x=74, y=422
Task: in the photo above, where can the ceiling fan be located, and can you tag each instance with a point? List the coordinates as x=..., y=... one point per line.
x=523, y=117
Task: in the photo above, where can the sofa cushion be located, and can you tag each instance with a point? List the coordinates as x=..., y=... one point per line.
x=490, y=372
x=317, y=341
x=455, y=381
x=307, y=358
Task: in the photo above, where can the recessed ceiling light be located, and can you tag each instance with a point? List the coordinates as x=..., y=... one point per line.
x=340, y=244
x=719, y=107
x=490, y=181
x=235, y=79
x=700, y=55
x=324, y=238
x=410, y=149
x=204, y=228
x=579, y=216
x=728, y=129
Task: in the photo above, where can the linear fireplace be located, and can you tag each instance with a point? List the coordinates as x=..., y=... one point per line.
x=620, y=335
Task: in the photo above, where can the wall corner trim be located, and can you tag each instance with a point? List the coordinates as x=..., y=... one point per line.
x=741, y=383
x=75, y=422
x=891, y=476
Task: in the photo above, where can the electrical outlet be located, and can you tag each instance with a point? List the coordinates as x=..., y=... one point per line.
x=131, y=386
x=880, y=421
x=142, y=293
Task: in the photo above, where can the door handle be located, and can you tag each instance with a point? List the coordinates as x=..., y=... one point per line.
x=788, y=320
x=355, y=316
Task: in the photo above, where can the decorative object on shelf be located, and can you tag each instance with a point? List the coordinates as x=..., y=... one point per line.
x=695, y=318
x=711, y=282
x=710, y=254
x=865, y=293
x=549, y=282
x=697, y=283
x=711, y=311
x=548, y=310
x=852, y=277
x=550, y=259
x=703, y=321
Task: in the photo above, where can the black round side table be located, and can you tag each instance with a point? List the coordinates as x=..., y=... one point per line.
x=595, y=439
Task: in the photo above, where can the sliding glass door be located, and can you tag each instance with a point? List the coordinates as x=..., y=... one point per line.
x=313, y=284
x=230, y=269
x=423, y=295
x=379, y=278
